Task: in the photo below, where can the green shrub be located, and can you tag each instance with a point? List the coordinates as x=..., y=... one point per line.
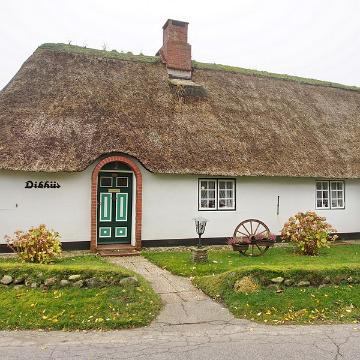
x=38, y=244
x=308, y=232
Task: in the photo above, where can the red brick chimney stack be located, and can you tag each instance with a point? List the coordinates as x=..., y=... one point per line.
x=176, y=52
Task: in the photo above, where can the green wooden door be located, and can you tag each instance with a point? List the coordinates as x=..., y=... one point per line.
x=114, y=216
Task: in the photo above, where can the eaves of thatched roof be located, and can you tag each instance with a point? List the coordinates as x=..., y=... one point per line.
x=67, y=106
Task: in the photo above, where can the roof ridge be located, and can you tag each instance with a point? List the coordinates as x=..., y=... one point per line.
x=260, y=73
x=112, y=54
x=129, y=56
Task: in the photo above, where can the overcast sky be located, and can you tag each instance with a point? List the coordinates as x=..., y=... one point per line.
x=311, y=38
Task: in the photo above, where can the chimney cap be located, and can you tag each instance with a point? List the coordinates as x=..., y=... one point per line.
x=175, y=22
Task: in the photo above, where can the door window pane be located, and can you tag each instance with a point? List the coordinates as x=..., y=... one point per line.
x=121, y=182
x=106, y=181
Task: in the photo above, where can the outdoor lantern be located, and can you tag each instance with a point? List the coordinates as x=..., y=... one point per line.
x=200, y=224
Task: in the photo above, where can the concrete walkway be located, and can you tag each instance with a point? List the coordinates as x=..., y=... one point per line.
x=183, y=302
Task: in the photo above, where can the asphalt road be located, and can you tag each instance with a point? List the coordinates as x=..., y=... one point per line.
x=235, y=339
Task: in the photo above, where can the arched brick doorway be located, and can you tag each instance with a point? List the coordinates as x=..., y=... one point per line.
x=137, y=191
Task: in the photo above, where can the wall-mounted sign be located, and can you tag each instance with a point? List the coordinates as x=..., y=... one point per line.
x=42, y=184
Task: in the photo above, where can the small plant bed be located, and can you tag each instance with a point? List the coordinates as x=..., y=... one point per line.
x=84, y=292
x=252, y=237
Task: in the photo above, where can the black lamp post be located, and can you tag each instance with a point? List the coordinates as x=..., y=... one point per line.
x=200, y=225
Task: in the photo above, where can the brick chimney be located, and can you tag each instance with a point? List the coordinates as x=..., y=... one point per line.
x=175, y=51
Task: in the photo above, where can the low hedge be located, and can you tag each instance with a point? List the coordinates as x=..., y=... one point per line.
x=38, y=273
x=215, y=285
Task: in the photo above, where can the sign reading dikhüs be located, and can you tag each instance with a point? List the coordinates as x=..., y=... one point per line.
x=42, y=184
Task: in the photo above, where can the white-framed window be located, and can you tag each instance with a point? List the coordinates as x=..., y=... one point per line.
x=226, y=194
x=337, y=194
x=330, y=194
x=207, y=194
x=217, y=194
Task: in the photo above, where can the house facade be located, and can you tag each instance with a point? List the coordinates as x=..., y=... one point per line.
x=118, y=150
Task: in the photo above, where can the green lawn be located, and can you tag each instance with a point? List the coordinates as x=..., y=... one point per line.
x=109, y=307
x=83, y=262
x=332, y=304
x=337, y=302
x=179, y=262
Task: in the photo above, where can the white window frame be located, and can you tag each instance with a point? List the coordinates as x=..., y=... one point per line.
x=217, y=198
x=226, y=198
x=329, y=193
x=207, y=198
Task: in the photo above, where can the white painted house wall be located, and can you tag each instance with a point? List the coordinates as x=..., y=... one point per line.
x=170, y=202
x=66, y=210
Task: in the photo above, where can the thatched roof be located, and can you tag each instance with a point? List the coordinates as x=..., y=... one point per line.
x=67, y=106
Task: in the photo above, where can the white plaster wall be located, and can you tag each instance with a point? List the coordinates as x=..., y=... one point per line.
x=66, y=210
x=170, y=202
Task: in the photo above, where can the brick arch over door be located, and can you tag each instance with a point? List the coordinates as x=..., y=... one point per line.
x=138, y=205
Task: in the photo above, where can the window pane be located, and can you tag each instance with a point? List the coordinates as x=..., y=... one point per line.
x=319, y=203
x=226, y=197
x=105, y=181
x=121, y=182
x=337, y=194
x=326, y=203
x=203, y=185
x=207, y=194
x=211, y=194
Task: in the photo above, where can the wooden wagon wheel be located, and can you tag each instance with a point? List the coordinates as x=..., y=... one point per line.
x=250, y=229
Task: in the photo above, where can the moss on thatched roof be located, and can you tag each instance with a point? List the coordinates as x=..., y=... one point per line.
x=67, y=106
x=128, y=56
x=219, y=67
x=113, y=54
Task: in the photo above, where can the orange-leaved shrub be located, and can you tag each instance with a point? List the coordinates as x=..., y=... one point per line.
x=38, y=244
x=309, y=232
